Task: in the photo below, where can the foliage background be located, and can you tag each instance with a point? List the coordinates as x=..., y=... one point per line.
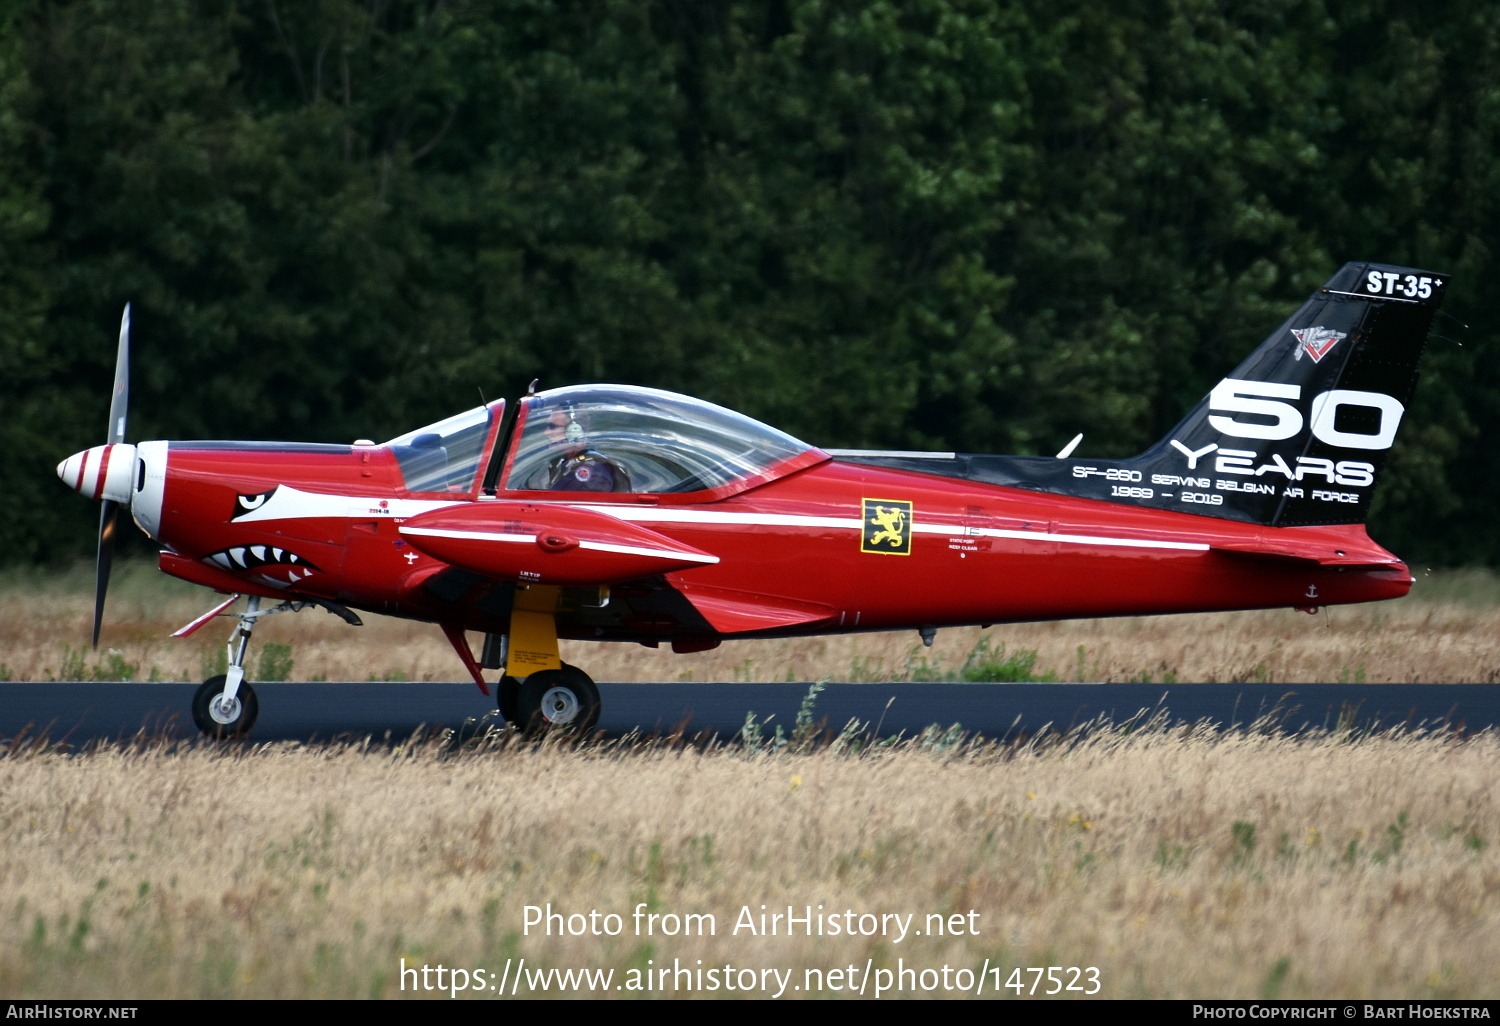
x=926, y=223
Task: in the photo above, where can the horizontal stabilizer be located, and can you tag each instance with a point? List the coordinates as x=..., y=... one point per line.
x=1314, y=547
x=546, y=544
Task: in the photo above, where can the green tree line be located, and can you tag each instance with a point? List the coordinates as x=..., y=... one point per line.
x=917, y=223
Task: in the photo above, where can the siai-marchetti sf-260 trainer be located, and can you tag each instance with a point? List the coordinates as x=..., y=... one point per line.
x=617, y=513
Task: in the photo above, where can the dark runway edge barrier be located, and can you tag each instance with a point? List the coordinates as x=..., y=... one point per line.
x=78, y=713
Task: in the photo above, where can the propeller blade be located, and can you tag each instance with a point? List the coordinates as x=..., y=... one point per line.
x=109, y=516
x=120, y=400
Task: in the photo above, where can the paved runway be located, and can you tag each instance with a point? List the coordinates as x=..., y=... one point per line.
x=79, y=713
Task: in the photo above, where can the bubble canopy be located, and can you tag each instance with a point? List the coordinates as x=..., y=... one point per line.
x=665, y=443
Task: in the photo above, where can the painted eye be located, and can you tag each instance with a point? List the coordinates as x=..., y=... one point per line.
x=249, y=503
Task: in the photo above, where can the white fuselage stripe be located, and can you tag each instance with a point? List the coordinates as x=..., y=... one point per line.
x=658, y=515
x=291, y=503
x=1076, y=539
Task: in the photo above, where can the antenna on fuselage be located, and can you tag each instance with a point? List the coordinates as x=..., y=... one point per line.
x=1068, y=449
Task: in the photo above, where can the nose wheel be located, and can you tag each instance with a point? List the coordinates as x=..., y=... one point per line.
x=221, y=716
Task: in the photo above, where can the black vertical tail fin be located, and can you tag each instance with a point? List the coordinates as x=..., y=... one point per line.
x=1298, y=434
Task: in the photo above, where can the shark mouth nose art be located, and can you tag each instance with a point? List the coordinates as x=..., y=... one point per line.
x=276, y=566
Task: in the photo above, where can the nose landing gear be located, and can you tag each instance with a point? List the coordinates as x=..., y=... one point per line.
x=225, y=706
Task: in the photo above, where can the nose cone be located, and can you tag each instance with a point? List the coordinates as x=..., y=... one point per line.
x=103, y=472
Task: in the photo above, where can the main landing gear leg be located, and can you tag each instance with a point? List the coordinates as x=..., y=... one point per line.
x=225, y=706
x=547, y=693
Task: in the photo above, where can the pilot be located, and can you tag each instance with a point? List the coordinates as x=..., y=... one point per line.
x=578, y=468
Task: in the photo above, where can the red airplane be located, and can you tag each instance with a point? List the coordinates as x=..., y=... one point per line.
x=618, y=513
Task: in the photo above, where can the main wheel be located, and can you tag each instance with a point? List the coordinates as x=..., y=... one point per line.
x=220, y=719
x=508, y=698
x=564, y=699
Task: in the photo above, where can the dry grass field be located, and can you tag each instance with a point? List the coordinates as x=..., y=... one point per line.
x=1175, y=863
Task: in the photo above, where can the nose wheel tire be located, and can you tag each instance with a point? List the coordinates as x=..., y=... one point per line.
x=564, y=699
x=220, y=719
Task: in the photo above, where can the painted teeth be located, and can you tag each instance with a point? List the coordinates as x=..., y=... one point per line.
x=254, y=557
